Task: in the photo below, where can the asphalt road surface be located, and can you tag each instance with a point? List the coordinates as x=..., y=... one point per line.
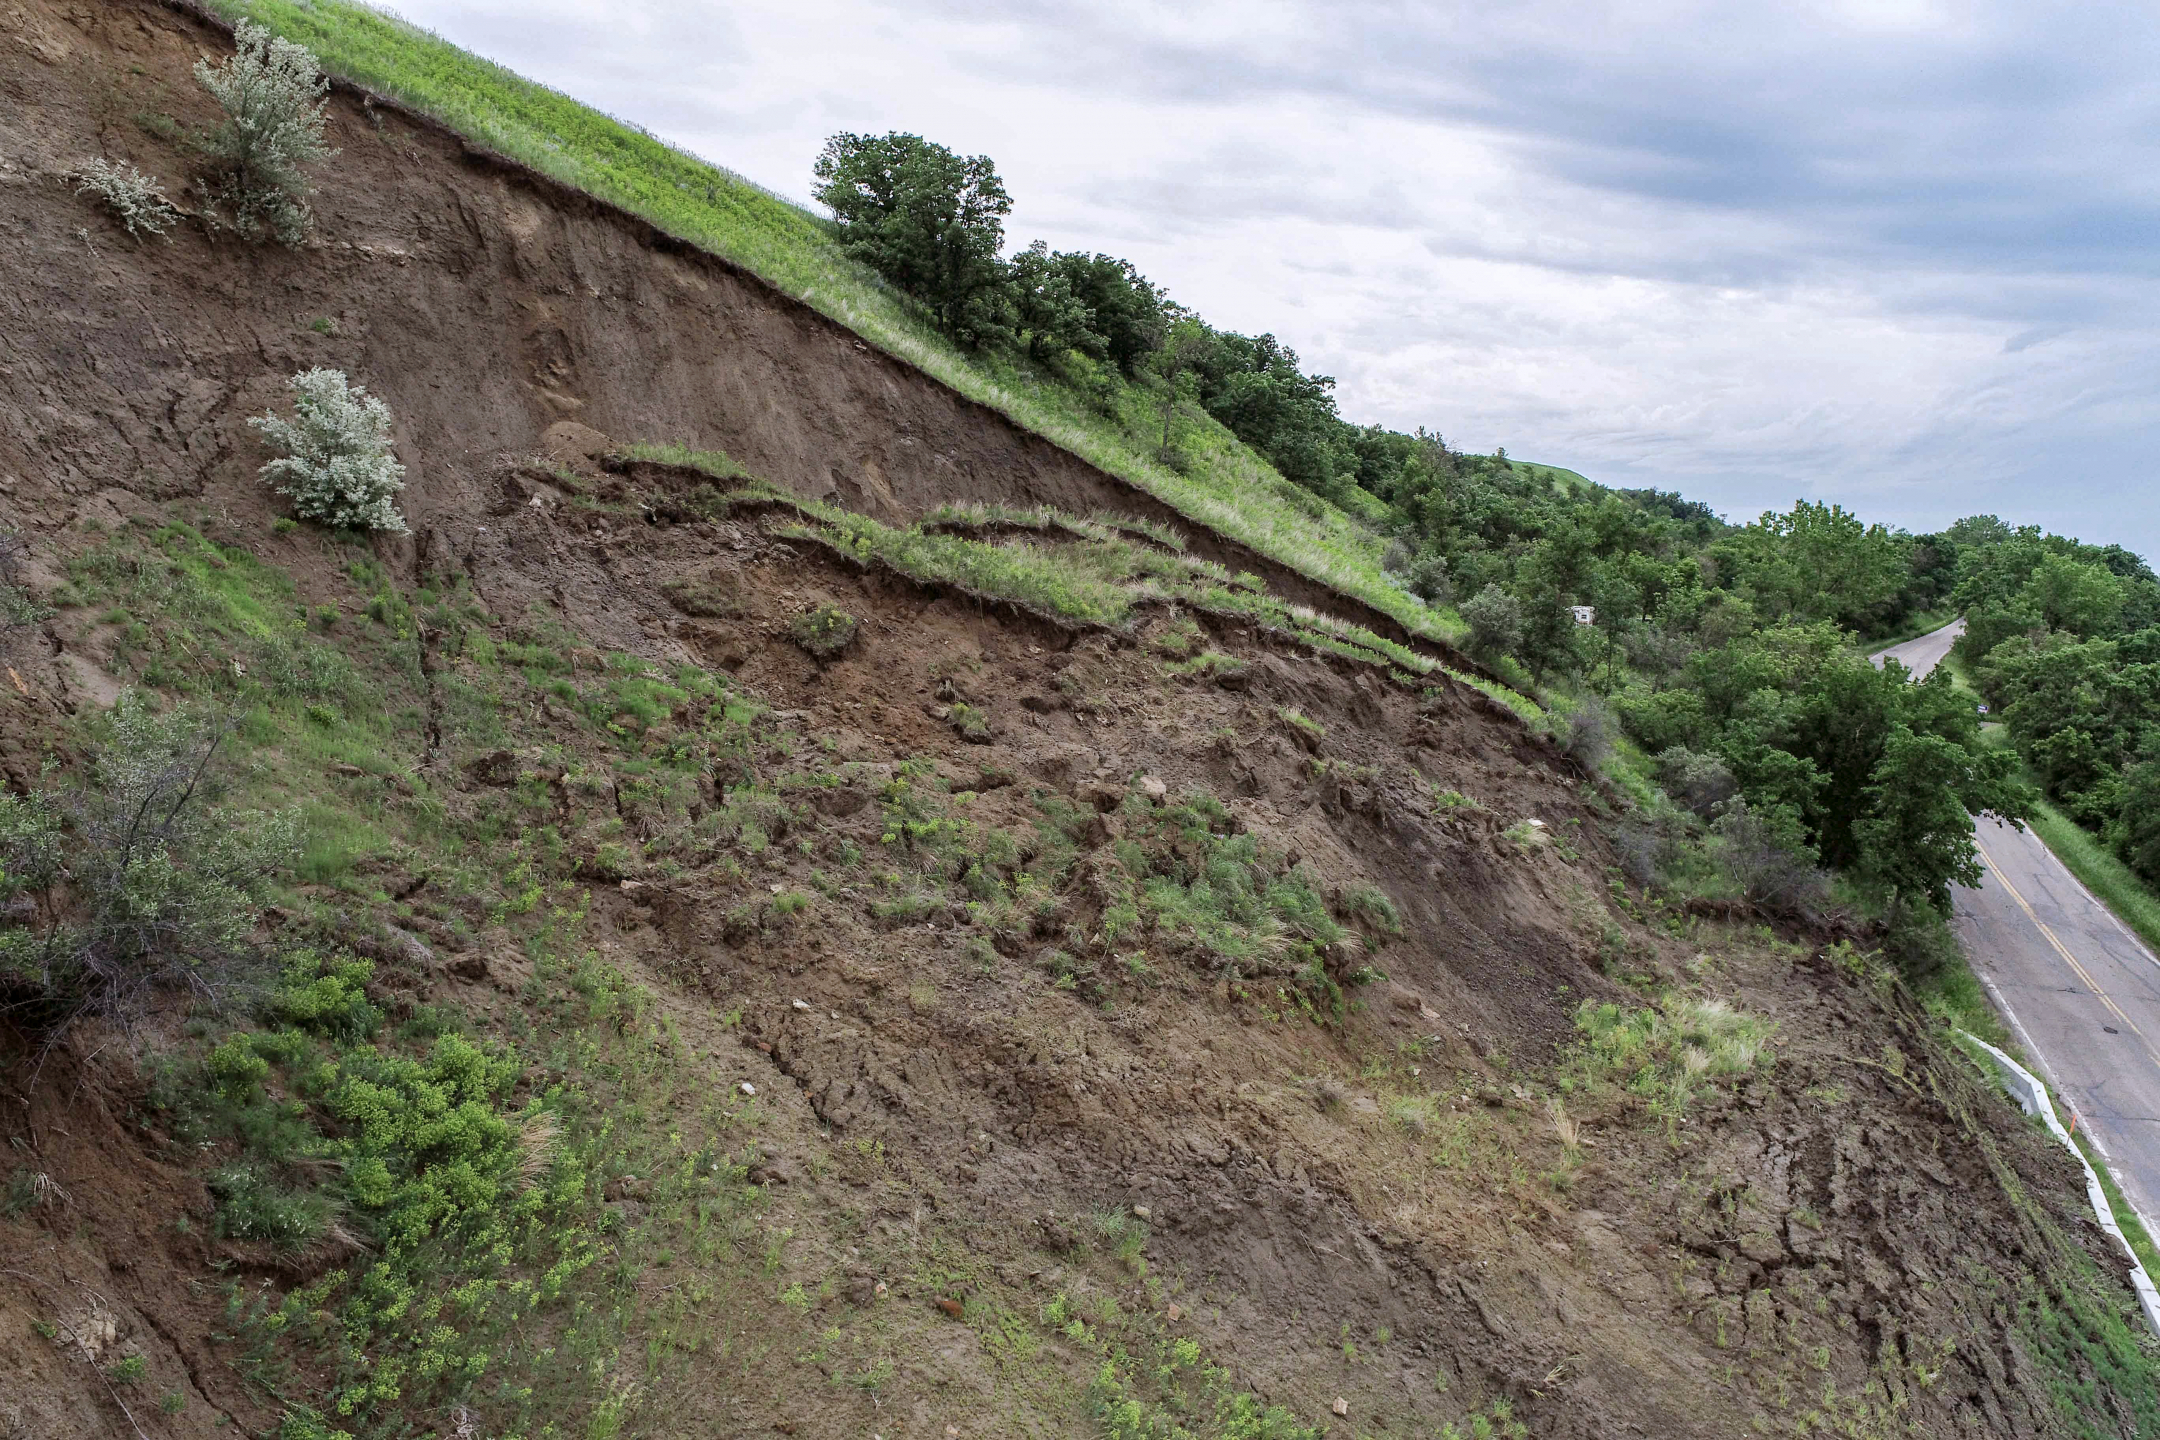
x=2079, y=990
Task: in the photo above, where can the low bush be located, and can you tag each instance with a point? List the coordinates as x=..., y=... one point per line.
x=1496, y=624
x=133, y=883
x=337, y=466
x=1696, y=782
x=1587, y=735
x=823, y=633
x=136, y=200
x=1762, y=854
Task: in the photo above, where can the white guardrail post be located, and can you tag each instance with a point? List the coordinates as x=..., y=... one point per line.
x=2032, y=1097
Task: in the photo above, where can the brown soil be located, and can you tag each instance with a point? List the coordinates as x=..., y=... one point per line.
x=1861, y=1216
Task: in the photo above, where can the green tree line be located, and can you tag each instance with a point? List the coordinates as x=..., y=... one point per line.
x=1729, y=655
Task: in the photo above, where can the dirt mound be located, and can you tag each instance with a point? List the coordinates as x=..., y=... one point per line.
x=1104, y=1025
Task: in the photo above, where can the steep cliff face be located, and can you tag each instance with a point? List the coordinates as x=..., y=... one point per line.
x=1001, y=1020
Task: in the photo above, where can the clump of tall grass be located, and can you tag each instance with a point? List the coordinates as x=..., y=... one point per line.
x=1665, y=1053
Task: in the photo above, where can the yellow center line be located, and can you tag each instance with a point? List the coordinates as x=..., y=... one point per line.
x=2062, y=949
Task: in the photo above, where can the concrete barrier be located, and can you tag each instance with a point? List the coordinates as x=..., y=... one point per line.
x=2032, y=1098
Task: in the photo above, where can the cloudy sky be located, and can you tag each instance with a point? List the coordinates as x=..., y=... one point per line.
x=1894, y=253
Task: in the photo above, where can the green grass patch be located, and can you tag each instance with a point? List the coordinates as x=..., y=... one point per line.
x=1663, y=1053
x=2133, y=1228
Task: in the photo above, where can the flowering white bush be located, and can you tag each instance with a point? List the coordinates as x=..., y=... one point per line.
x=272, y=92
x=136, y=199
x=337, y=464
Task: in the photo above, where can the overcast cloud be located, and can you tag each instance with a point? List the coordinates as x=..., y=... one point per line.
x=1894, y=253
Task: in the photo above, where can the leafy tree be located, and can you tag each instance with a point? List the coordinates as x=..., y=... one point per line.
x=1097, y=305
x=1254, y=386
x=1915, y=835
x=1187, y=342
x=273, y=95
x=1052, y=318
x=2136, y=831
x=1816, y=562
x=2069, y=595
x=1495, y=621
x=928, y=220
x=1880, y=774
x=1127, y=316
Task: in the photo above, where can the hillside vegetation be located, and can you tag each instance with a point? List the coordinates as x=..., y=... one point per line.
x=1084, y=350
x=516, y=923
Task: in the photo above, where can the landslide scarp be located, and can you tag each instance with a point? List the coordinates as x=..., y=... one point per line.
x=1011, y=973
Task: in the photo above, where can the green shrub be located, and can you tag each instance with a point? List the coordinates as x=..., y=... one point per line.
x=1371, y=904
x=1496, y=624
x=326, y=996
x=136, y=200
x=337, y=466
x=274, y=98
x=165, y=887
x=824, y=632
x=254, y=1205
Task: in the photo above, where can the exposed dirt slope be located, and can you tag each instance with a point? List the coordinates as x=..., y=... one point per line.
x=1002, y=1143
x=483, y=302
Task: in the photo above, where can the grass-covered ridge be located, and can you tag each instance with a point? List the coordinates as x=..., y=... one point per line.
x=1225, y=486
x=1099, y=570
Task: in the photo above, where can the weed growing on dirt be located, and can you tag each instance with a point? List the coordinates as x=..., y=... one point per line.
x=1191, y=884
x=717, y=463
x=1209, y=665
x=136, y=200
x=1663, y=1053
x=823, y=633
x=1153, y=1385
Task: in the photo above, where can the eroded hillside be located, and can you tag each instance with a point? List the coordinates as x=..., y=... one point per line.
x=1011, y=974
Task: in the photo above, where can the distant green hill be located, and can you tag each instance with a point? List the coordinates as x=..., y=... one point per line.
x=1567, y=482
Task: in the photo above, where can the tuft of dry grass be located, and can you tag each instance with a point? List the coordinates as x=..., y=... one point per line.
x=537, y=1140
x=1566, y=1126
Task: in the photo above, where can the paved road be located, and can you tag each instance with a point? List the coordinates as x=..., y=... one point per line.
x=2080, y=991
